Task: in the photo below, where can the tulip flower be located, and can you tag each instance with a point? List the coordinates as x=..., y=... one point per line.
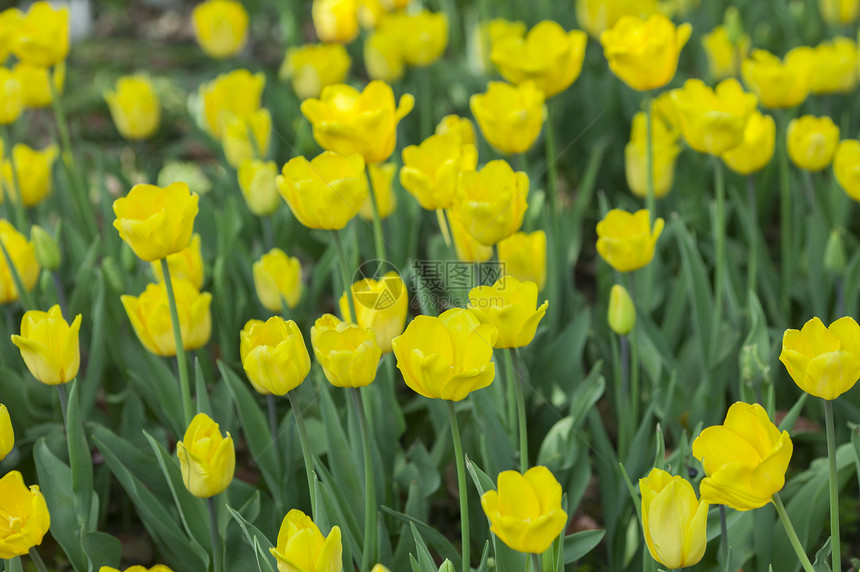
x=7, y=435
x=674, y=521
x=348, y=121
x=274, y=355
x=524, y=256
x=257, y=183
x=383, y=54
x=10, y=20
x=245, y=137
x=335, y=21
x=626, y=240
x=381, y=177
x=846, y=167
x=460, y=127
x=134, y=107
x=745, y=458
x=149, y=314
x=154, y=221
x=137, y=568
x=839, y=12
x=465, y=246
x=380, y=305
x=238, y=92
x=510, y=116
x=643, y=53
x=548, y=55
x=11, y=97
x=348, y=354
x=509, y=305
x=35, y=89
x=595, y=16
x=206, y=458
x=823, y=361
x=26, y=518
x=185, y=264
x=49, y=345
x=302, y=547
x=812, y=142
x=326, y=192
x=724, y=57
x=278, y=280
x=664, y=152
x=756, y=150
x=491, y=203
x=423, y=35
x=432, y=169
x=485, y=35
x=312, y=67
x=23, y=257
x=42, y=35
x=525, y=512
x=622, y=311
x=34, y=173
x=220, y=27
x=835, y=69
x=779, y=83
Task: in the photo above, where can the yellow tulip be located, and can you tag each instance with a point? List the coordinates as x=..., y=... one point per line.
x=491, y=203
x=206, y=458
x=221, y=27
x=149, y=314
x=313, y=66
x=26, y=518
x=257, y=183
x=510, y=116
x=383, y=54
x=431, y=170
x=154, y=221
x=380, y=305
x=674, y=521
x=7, y=435
x=756, y=150
x=823, y=361
x=238, y=92
x=23, y=257
x=446, y=357
x=35, y=89
x=622, y=311
x=301, y=547
x=779, y=83
x=643, y=53
x=11, y=97
x=186, y=264
x=33, y=169
x=841, y=12
x=379, y=568
x=137, y=568
x=835, y=69
x=548, y=55
x=278, y=277
x=237, y=133
x=485, y=35
x=460, y=127
x=465, y=246
x=134, y=107
x=724, y=57
x=49, y=345
x=664, y=153
x=335, y=20
x=509, y=305
x=626, y=240
x=10, y=20
x=524, y=256
x=326, y=192
x=381, y=177
x=595, y=16
x=348, y=354
x=424, y=35
x=525, y=512
x=42, y=36
x=846, y=167
x=812, y=142
x=274, y=355
x=348, y=121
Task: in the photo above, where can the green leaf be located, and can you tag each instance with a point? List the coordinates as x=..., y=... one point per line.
x=579, y=544
x=201, y=394
x=698, y=289
x=101, y=549
x=258, y=541
x=436, y=539
x=425, y=561
x=80, y=459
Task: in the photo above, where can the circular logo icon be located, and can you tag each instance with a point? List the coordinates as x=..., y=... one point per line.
x=377, y=285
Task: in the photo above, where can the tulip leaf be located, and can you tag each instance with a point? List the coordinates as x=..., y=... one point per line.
x=90, y=383
x=425, y=560
x=201, y=395
x=822, y=558
x=157, y=384
x=15, y=565
x=101, y=549
x=330, y=507
x=80, y=460
x=698, y=290
x=256, y=539
x=436, y=539
x=579, y=544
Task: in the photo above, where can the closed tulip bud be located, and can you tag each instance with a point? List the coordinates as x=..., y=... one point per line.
x=626, y=240
x=460, y=127
x=10, y=20
x=301, y=546
x=11, y=97
x=779, y=83
x=525, y=511
x=335, y=20
x=35, y=89
x=33, y=169
x=348, y=121
x=510, y=116
x=841, y=12
x=278, y=280
x=23, y=256
x=313, y=66
x=524, y=256
x=834, y=253
x=42, y=37
x=246, y=137
x=745, y=458
x=756, y=150
x=823, y=361
x=238, y=93
x=432, y=169
x=725, y=56
x=812, y=142
x=548, y=55
x=383, y=54
x=274, y=355
x=465, y=246
x=206, y=458
x=348, y=354
x=835, y=69
x=257, y=182
x=221, y=27
x=446, y=357
x=491, y=203
x=643, y=53
x=595, y=16
x=380, y=305
x=326, y=192
x=186, y=264
x=137, y=568
x=149, y=314
x=622, y=312
x=664, y=152
x=154, y=221
x=45, y=248
x=26, y=514
x=510, y=306
x=381, y=177
x=49, y=345
x=7, y=436
x=134, y=107
x=846, y=167
x=381, y=568
x=674, y=521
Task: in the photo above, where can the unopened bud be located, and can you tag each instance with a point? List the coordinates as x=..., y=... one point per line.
x=834, y=253
x=46, y=249
x=622, y=312
x=447, y=567
x=734, y=25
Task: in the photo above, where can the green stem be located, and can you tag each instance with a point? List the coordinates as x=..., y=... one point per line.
x=16, y=197
x=344, y=275
x=521, y=409
x=720, y=240
x=786, y=235
x=835, y=547
x=184, y=384
x=306, y=448
x=551, y=167
x=792, y=535
x=23, y=293
x=752, y=268
x=649, y=160
x=511, y=398
x=378, y=238
x=535, y=560
x=461, y=482
x=425, y=86
x=368, y=553
x=37, y=560
x=64, y=403
x=724, y=535
x=217, y=556
x=634, y=363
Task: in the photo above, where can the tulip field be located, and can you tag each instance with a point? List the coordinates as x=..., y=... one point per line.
x=429, y=286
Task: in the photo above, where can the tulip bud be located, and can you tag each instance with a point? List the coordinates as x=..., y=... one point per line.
x=7, y=436
x=447, y=566
x=834, y=253
x=207, y=459
x=622, y=311
x=45, y=247
x=221, y=27
x=510, y=306
x=349, y=354
x=274, y=355
x=49, y=345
